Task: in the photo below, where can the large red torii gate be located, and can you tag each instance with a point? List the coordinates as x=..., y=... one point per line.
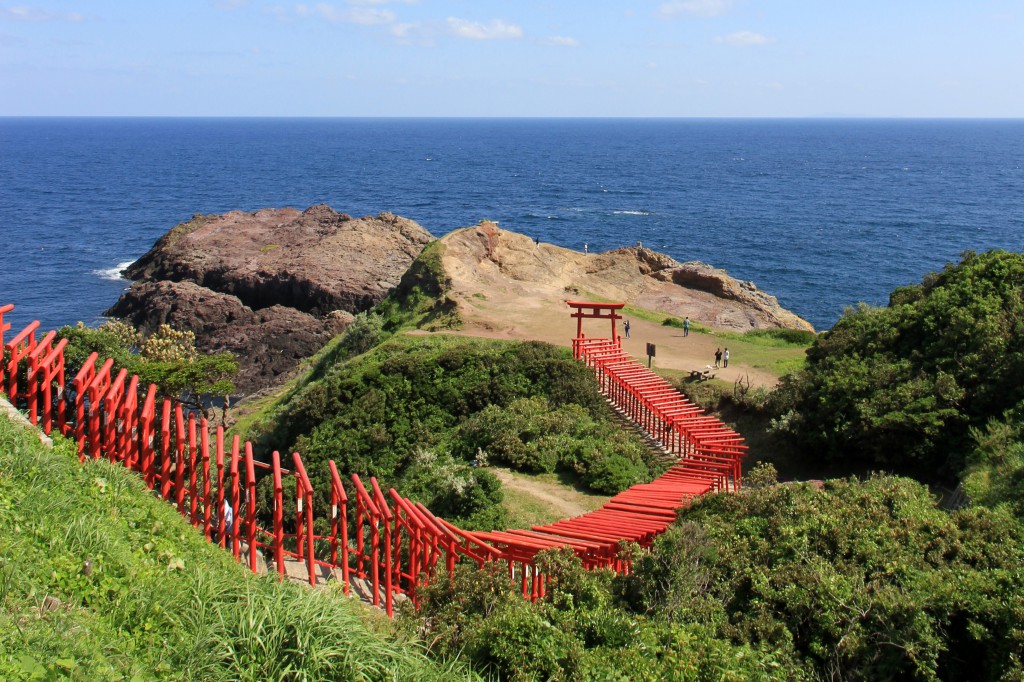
x=600, y=311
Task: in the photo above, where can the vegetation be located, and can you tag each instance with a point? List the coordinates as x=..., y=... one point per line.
x=420, y=300
x=857, y=580
x=904, y=385
x=99, y=580
x=453, y=401
x=167, y=358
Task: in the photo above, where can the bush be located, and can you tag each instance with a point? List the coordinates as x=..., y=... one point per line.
x=167, y=358
x=527, y=404
x=903, y=385
x=532, y=435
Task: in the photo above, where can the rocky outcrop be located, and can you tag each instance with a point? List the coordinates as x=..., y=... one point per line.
x=268, y=342
x=504, y=280
x=271, y=286
x=763, y=309
x=315, y=260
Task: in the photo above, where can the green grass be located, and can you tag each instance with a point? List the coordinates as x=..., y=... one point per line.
x=99, y=580
x=778, y=351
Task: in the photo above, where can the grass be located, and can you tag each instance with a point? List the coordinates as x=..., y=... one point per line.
x=778, y=351
x=525, y=508
x=100, y=580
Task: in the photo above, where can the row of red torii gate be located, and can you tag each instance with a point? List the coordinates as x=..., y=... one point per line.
x=379, y=539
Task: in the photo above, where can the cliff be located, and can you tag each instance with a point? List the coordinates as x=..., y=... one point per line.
x=271, y=286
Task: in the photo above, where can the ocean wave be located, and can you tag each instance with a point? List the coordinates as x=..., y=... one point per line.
x=113, y=274
x=640, y=212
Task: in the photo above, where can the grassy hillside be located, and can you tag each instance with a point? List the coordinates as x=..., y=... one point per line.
x=99, y=580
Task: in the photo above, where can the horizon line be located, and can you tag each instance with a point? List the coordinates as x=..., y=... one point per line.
x=821, y=117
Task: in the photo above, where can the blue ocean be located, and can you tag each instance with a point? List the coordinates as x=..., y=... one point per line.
x=821, y=213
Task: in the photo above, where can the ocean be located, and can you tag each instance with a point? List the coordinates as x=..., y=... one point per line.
x=821, y=213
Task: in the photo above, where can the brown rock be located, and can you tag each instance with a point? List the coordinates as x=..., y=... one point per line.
x=501, y=278
x=271, y=286
x=268, y=342
x=316, y=260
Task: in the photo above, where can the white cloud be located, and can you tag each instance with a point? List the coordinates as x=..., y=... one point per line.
x=366, y=16
x=495, y=30
x=700, y=8
x=370, y=17
x=744, y=39
x=561, y=41
x=230, y=5
x=26, y=13
x=402, y=30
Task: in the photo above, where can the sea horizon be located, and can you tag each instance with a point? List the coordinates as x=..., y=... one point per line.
x=821, y=212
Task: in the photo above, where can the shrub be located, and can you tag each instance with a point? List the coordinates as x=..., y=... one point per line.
x=527, y=404
x=903, y=385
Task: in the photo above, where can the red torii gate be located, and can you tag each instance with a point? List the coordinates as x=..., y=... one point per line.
x=600, y=311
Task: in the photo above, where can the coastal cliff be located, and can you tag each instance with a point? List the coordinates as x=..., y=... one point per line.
x=271, y=286
x=274, y=286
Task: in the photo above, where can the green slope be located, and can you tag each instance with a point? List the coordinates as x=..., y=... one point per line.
x=101, y=580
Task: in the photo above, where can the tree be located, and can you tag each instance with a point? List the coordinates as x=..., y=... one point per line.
x=167, y=358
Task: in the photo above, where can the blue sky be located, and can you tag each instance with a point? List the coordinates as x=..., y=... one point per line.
x=915, y=58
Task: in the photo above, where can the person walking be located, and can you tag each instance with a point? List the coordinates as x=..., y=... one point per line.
x=625, y=328
x=718, y=358
x=686, y=326
x=725, y=358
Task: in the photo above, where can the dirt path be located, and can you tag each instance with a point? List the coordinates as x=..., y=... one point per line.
x=563, y=501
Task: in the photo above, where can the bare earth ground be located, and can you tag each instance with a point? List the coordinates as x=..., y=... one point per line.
x=506, y=317
x=535, y=499
x=508, y=287
x=496, y=310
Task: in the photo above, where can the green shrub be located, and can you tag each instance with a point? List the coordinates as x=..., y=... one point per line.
x=528, y=404
x=903, y=385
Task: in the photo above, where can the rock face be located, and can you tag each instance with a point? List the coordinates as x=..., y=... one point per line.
x=500, y=278
x=271, y=286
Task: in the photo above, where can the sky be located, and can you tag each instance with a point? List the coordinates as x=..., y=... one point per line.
x=481, y=58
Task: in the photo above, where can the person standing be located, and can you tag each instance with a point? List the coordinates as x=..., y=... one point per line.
x=725, y=358
x=228, y=517
x=686, y=326
x=625, y=328
x=718, y=358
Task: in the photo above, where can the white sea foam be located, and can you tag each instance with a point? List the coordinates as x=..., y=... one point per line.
x=632, y=212
x=113, y=274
